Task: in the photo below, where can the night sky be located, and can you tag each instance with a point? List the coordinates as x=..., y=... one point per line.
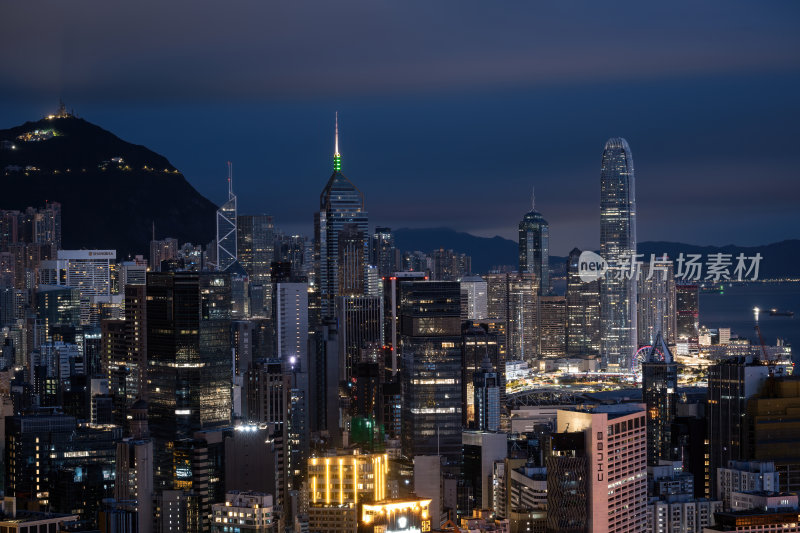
x=450, y=111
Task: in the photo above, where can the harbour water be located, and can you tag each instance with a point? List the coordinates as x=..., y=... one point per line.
x=733, y=308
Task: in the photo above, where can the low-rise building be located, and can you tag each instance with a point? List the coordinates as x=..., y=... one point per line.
x=243, y=512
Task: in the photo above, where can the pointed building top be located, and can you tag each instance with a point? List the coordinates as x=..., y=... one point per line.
x=337, y=157
x=660, y=350
x=230, y=180
x=533, y=198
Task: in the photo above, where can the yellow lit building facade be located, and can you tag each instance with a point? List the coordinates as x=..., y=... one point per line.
x=347, y=479
x=408, y=515
x=339, y=484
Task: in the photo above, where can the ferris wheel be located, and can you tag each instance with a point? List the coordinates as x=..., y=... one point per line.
x=642, y=355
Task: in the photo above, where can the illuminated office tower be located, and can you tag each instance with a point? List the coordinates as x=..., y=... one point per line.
x=552, y=326
x=597, y=470
x=352, y=262
x=340, y=204
x=88, y=270
x=293, y=249
x=391, y=312
x=384, y=253
x=136, y=337
x=189, y=360
x=656, y=307
x=226, y=228
x=731, y=383
x=162, y=250
x=256, y=250
x=291, y=321
x=486, y=387
x=660, y=395
x=687, y=306
x=775, y=432
x=583, y=310
x=360, y=321
x=430, y=344
x=534, y=247
x=478, y=343
x=618, y=340
x=59, y=311
x=132, y=273
x=124, y=354
x=339, y=484
x=256, y=246
x=133, y=482
x=513, y=298
x=522, y=315
x=268, y=389
x=473, y=298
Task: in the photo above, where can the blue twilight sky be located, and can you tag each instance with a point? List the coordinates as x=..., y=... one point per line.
x=450, y=111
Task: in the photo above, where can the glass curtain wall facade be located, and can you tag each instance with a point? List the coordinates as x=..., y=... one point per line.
x=618, y=341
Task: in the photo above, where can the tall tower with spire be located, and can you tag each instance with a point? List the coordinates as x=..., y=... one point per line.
x=226, y=227
x=534, y=246
x=341, y=205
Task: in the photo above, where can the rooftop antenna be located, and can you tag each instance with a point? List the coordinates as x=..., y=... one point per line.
x=154, y=230
x=337, y=157
x=533, y=198
x=230, y=180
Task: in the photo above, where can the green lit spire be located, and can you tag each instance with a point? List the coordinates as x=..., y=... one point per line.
x=337, y=157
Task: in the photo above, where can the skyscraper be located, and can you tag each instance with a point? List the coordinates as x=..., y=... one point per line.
x=391, y=311
x=552, y=326
x=134, y=469
x=486, y=385
x=612, y=480
x=618, y=340
x=656, y=307
x=430, y=324
x=360, y=321
x=256, y=250
x=534, y=247
x=478, y=343
x=513, y=298
x=226, y=228
x=687, y=306
x=473, y=298
x=340, y=204
x=384, y=253
x=352, y=267
x=189, y=359
x=161, y=251
x=291, y=321
x=660, y=395
x=583, y=310
x=731, y=383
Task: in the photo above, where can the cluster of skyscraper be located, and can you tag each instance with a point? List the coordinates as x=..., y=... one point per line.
x=269, y=382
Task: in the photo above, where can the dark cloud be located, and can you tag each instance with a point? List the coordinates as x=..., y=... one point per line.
x=256, y=49
x=450, y=110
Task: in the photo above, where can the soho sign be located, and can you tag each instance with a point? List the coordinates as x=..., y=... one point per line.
x=600, y=456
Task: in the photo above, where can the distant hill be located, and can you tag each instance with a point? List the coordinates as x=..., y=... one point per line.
x=111, y=191
x=485, y=252
x=780, y=259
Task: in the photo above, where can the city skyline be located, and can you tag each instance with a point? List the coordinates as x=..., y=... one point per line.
x=335, y=346
x=454, y=130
